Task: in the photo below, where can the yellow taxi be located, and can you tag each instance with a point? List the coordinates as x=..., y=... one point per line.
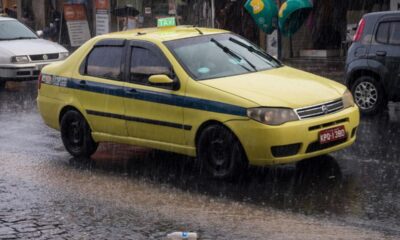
x=205, y=93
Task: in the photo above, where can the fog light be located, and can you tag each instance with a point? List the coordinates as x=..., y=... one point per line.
x=285, y=150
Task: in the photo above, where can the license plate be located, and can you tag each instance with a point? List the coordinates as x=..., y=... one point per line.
x=332, y=134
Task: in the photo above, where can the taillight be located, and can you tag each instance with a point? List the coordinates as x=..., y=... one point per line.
x=359, y=31
x=39, y=81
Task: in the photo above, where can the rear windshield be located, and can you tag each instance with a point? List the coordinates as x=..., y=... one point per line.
x=220, y=55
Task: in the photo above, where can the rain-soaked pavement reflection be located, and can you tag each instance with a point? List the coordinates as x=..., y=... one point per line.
x=126, y=192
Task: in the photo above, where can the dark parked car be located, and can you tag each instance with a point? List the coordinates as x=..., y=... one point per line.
x=373, y=62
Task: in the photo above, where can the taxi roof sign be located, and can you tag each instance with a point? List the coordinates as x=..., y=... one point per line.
x=166, y=22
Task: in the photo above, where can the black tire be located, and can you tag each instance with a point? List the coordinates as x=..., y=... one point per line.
x=2, y=85
x=76, y=135
x=369, y=95
x=220, y=153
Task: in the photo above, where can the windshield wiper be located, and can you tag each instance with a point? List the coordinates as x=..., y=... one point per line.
x=16, y=38
x=254, y=50
x=233, y=54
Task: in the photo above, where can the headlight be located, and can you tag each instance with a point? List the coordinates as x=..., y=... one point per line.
x=64, y=55
x=272, y=116
x=20, y=59
x=348, y=100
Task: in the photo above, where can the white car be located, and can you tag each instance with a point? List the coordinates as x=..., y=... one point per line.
x=23, y=54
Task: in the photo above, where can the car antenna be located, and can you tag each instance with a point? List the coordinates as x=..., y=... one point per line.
x=200, y=32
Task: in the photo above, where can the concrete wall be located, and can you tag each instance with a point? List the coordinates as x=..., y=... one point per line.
x=39, y=12
x=300, y=40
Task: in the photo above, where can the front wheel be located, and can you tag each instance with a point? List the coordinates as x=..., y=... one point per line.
x=369, y=95
x=76, y=135
x=220, y=153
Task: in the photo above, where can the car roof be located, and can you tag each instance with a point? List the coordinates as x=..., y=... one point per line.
x=164, y=33
x=383, y=13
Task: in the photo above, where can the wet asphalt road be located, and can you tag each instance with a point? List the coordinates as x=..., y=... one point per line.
x=134, y=193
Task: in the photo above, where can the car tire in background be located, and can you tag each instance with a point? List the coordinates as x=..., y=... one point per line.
x=369, y=95
x=2, y=85
x=220, y=153
x=76, y=135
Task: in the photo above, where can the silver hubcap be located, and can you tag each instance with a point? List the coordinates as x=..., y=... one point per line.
x=366, y=95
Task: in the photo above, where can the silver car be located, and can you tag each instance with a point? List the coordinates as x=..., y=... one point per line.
x=23, y=54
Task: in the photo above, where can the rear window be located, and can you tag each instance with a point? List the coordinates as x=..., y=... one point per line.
x=382, y=32
x=394, y=37
x=388, y=33
x=105, y=62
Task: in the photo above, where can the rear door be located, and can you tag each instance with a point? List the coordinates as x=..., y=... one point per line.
x=99, y=87
x=385, y=49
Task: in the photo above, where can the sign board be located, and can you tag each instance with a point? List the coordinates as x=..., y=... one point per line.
x=102, y=17
x=78, y=27
x=166, y=22
x=394, y=5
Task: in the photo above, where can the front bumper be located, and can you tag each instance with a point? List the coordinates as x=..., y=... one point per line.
x=21, y=72
x=259, y=139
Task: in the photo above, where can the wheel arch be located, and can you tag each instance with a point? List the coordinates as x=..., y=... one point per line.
x=66, y=109
x=208, y=123
x=363, y=72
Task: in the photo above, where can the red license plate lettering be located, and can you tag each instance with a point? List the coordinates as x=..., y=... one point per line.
x=332, y=134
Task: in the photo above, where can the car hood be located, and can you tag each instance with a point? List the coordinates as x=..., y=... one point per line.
x=29, y=47
x=280, y=87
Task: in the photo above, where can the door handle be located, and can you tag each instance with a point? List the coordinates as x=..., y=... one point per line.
x=131, y=91
x=82, y=84
x=380, y=53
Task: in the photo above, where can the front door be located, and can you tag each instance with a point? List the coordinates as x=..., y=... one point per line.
x=152, y=112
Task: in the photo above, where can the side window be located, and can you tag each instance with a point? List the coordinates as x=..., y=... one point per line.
x=146, y=62
x=394, y=33
x=105, y=62
x=382, y=33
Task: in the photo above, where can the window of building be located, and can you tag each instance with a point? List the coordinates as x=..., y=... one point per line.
x=105, y=62
x=144, y=63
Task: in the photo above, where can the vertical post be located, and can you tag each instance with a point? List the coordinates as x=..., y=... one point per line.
x=19, y=9
x=212, y=13
x=279, y=36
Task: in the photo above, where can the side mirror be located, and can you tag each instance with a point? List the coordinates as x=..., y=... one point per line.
x=39, y=33
x=163, y=80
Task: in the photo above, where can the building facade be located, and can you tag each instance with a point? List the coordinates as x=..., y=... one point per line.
x=328, y=27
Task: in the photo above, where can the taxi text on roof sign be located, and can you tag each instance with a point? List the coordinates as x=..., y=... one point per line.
x=166, y=22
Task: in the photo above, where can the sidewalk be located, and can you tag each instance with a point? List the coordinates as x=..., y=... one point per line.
x=332, y=68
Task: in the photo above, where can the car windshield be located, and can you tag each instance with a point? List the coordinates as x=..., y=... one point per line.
x=13, y=30
x=220, y=55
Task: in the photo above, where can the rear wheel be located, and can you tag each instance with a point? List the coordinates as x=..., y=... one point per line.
x=220, y=153
x=369, y=95
x=76, y=135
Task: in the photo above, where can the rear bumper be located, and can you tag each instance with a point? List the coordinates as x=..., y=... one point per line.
x=293, y=141
x=21, y=72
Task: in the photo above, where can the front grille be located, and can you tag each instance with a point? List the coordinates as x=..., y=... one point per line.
x=23, y=73
x=316, y=146
x=325, y=125
x=320, y=109
x=44, y=57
